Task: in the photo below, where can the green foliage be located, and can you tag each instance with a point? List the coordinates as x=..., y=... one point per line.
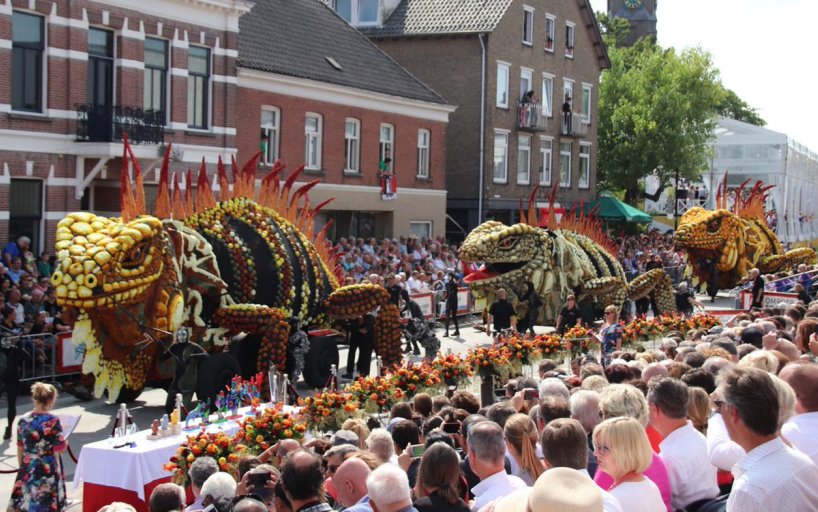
x=657, y=110
x=736, y=108
x=614, y=30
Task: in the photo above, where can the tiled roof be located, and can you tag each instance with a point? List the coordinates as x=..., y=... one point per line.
x=430, y=17
x=298, y=38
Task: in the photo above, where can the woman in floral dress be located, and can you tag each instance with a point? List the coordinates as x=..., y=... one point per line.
x=610, y=336
x=40, y=485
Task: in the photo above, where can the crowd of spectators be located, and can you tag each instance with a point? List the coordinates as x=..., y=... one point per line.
x=723, y=419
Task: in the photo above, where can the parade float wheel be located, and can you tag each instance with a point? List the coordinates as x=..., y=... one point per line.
x=127, y=395
x=214, y=374
x=322, y=355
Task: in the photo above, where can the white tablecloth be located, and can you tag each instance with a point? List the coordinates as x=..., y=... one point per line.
x=133, y=468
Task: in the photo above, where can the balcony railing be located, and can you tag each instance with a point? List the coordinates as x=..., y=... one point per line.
x=572, y=125
x=101, y=123
x=531, y=118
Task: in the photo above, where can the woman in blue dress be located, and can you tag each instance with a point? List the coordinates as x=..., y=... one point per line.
x=40, y=485
x=610, y=336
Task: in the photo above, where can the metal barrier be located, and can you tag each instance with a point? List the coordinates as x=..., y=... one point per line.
x=48, y=355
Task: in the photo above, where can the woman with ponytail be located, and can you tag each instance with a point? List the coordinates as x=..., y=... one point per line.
x=40, y=483
x=438, y=480
x=521, y=440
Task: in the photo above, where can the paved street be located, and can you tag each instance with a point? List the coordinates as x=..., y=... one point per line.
x=97, y=415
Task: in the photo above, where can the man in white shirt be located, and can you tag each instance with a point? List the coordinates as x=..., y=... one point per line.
x=802, y=429
x=487, y=457
x=683, y=449
x=772, y=476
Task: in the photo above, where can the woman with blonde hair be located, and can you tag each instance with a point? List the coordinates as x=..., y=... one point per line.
x=360, y=428
x=521, y=439
x=698, y=408
x=623, y=451
x=40, y=484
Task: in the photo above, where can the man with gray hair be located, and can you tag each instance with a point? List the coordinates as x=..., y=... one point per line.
x=388, y=489
x=554, y=386
x=653, y=370
x=585, y=409
x=200, y=470
x=486, y=449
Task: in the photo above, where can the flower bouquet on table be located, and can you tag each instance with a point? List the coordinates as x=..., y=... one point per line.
x=641, y=329
x=493, y=360
x=578, y=340
x=327, y=410
x=453, y=369
x=520, y=351
x=702, y=321
x=549, y=345
x=415, y=379
x=375, y=394
x=217, y=446
x=258, y=433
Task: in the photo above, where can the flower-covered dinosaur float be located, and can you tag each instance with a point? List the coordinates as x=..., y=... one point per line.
x=565, y=257
x=737, y=239
x=240, y=265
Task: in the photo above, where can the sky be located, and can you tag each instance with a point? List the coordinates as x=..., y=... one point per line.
x=765, y=51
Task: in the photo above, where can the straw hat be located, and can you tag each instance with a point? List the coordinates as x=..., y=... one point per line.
x=562, y=489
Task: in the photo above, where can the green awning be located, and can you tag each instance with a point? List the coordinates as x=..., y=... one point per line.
x=611, y=208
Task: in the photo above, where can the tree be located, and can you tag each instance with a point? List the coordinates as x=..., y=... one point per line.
x=657, y=110
x=736, y=108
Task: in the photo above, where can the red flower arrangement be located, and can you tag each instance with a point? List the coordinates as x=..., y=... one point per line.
x=452, y=368
x=415, y=379
x=375, y=394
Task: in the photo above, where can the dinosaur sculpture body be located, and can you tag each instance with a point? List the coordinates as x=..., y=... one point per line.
x=574, y=257
x=734, y=239
x=219, y=268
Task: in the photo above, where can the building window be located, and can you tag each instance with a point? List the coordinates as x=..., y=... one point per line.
x=584, y=166
x=502, y=85
x=528, y=25
x=546, y=148
x=565, y=164
x=424, y=141
x=526, y=82
x=25, y=210
x=421, y=229
x=270, y=126
x=154, y=92
x=352, y=146
x=27, y=44
x=359, y=12
x=312, y=142
x=568, y=92
x=550, y=32
x=569, y=39
x=386, y=148
x=198, y=87
x=547, y=95
x=500, y=157
x=523, y=160
x=585, y=106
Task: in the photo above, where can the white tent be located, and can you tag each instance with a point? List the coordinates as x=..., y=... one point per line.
x=746, y=151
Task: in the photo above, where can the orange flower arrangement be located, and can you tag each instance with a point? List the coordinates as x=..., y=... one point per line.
x=375, y=394
x=549, y=345
x=258, y=433
x=490, y=361
x=414, y=379
x=577, y=340
x=218, y=446
x=452, y=368
x=328, y=410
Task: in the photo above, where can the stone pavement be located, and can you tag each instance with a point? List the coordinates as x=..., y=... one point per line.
x=97, y=415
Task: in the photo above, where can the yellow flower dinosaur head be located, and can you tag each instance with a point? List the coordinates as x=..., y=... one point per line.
x=104, y=262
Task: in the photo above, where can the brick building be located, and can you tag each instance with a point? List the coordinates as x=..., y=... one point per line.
x=312, y=90
x=484, y=56
x=80, y=73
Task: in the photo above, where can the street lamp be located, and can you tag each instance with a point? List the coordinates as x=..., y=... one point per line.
x=676, y=202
